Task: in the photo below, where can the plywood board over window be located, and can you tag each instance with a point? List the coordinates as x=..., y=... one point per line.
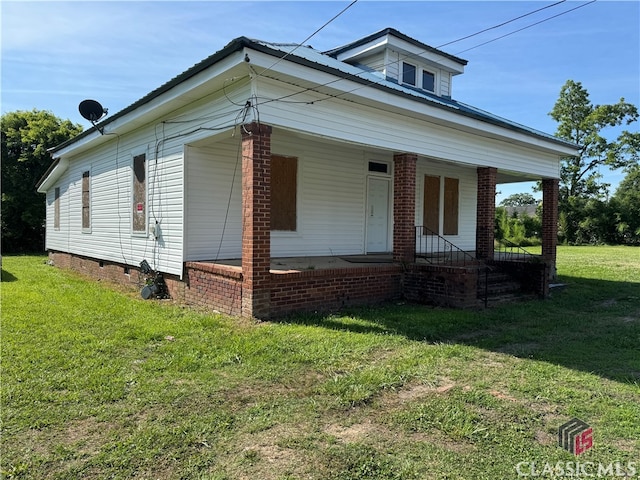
x=86, y=198
x=56, y=209
x=450, y=213
x=284, y=193
x=431, y=205
x=139, y=218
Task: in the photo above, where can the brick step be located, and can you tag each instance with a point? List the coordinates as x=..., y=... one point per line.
x=495, y=300
x=495, y=277
x=500, y=288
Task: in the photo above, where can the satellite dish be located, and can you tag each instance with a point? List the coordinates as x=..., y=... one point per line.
x=92, y=111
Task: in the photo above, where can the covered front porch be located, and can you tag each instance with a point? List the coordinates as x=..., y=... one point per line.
x=262, y=282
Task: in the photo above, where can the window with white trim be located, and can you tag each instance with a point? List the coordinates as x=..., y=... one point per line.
x=409, y=73
x=428, y=81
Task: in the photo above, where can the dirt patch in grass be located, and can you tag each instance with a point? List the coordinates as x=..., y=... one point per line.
x=415, y=391
x=631, y=318
x=87, y=435
x=356, y=432
x=271, y=453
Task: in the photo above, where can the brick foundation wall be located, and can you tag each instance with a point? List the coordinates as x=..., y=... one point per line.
x=98, y=269
x=325, y=290
x=211, y=286
x=443, y=286
x=220, y=287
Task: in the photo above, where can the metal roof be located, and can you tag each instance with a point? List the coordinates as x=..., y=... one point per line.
x=307, y=56
x=393, y=32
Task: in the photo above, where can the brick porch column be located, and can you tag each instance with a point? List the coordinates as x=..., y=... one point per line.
x=486, y=212
x=404, y=207
x=550, y=193
x=256, y=220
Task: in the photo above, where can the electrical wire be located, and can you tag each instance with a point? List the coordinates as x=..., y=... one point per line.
x=370, y=83
x=527, y=26
x=309, y=37
x=244, y=114
x=500, y=25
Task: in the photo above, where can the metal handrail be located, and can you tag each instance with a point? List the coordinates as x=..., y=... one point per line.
x=436, y=249
x=509, y=251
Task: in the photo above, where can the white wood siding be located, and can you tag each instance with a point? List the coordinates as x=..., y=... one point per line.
x=468, y=187
x=111, y=236
x=210, y=191
x=367, y=125
x=330, y=203
x=445, y=84
x=111, y=207
x=375, y=61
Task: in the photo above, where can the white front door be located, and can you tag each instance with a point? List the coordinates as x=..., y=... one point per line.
x=378, y=214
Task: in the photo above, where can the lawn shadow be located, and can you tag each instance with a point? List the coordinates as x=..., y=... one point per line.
x=7, y=276
x=591, y=325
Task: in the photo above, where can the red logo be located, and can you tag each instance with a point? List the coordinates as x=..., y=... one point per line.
x=575, y=436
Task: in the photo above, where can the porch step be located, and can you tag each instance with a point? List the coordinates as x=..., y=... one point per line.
x=495, y=300
x=499, y=288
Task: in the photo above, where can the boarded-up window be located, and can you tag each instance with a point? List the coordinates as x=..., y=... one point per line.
x=431, y=207
x=86, y=199
x=450, y=211
x=139, y=220
x=56, y=209
x=284, y=192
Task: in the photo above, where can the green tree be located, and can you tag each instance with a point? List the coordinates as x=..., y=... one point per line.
x=518, y=200
x=581, y=122
x=625, y=205
x=25, y=138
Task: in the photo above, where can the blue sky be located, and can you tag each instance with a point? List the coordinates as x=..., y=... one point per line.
x=56, y=54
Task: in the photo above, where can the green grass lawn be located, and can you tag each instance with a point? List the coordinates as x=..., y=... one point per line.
x=98, y=383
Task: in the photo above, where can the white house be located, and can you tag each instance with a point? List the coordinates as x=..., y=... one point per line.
x=265, y=150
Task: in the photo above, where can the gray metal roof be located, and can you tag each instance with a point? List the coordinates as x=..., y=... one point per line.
x=307, y=56
x=392, y=31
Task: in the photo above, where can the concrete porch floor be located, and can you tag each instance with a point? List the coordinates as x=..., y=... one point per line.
x=300, y=264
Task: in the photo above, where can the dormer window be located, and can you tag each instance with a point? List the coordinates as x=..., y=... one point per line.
x=410, y=77
x=428, y=81
x=403, y=60
x=408, y=73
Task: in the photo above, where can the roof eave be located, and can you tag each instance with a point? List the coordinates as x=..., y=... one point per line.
x=233, y=46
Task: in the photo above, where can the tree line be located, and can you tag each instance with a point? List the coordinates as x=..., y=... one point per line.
x=587, y=212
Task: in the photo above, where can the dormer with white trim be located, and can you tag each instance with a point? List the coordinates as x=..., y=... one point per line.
x=403, y=60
